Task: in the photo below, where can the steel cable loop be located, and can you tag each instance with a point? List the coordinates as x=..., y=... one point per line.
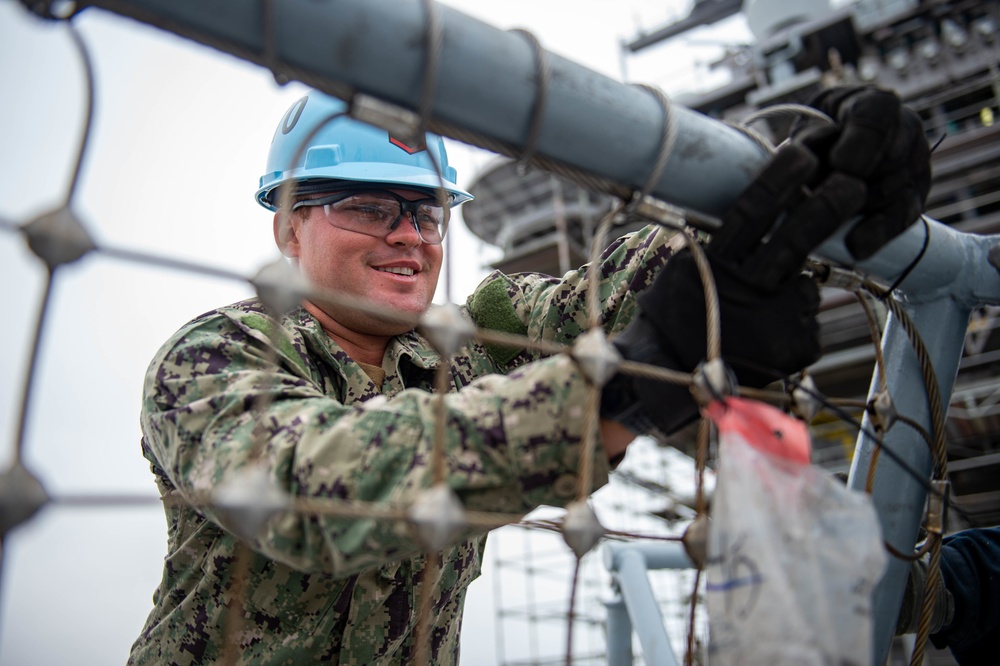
x=776, y=111
x=434, y=44
x=883, y=386
x=668, y=137
x=873, y=462
x=927, y=602
x=922, y=550
x=713, y=323
x=32, y=370
x=759, y=139
x=591, y=441
x=786, y=110
x=573, y=588
x=692, y=615
x=701, y=509
x=441, y=377
x=875, y=335
x=543, y=72
x=232, y=621
x=270, y=55
x=428, y=573
x=876, y=338
x=88, y=68
x=593, y=261
x=938, y=450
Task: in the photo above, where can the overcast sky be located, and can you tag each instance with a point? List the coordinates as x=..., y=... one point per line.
x=180, y=138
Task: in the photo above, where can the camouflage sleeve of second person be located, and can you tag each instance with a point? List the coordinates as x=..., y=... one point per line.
x=543, y=307
x=219, y=387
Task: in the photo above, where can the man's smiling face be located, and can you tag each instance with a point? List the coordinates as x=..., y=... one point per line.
x=398, y=272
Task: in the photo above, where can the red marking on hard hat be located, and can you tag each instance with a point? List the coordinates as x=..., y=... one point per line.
x=410, y=149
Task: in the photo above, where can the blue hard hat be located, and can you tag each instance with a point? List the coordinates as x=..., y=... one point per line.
x=347, y=149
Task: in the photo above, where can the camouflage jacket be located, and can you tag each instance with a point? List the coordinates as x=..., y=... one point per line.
x=336, y=589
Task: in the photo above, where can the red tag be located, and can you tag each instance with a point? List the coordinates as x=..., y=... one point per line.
x=767, y=429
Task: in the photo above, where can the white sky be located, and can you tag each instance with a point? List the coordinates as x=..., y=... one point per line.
x=180, y=138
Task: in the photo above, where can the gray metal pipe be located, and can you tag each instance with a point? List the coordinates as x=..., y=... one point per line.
x=953, y=277
x=619, y=638
x=486, y=85
x=629, y=564
x=655, y=554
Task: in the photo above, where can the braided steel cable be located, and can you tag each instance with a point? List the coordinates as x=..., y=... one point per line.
x=543, y=71
x=939, y=449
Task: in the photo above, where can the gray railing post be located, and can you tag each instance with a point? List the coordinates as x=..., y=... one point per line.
x=629, y=565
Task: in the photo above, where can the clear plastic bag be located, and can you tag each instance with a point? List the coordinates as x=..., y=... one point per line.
x=793, y=555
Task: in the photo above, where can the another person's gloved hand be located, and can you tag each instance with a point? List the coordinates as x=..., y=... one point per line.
x=881, y=142
x=767, y=308
x=943, y=610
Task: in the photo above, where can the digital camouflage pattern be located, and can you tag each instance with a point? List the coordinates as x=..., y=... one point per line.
x=345, y=590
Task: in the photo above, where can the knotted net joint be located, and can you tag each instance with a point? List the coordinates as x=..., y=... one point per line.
x=712, y=380
x=248, y=499
x=58, y=237
x=882, y=411
x=695, y=540
x=437, y=516
x=581, y=529
x=597, y=358
x=21, y=497
x=280, y=287
x=806, y=402
x=446, y=328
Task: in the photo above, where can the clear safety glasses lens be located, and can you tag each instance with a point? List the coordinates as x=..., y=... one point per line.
x=378, y=213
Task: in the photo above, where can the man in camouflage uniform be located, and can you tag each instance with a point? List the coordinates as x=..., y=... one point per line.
x=336, y=402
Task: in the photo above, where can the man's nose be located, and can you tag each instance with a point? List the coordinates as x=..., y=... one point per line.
x=405, y=232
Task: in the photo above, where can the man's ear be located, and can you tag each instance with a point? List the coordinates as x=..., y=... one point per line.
x=286, y=233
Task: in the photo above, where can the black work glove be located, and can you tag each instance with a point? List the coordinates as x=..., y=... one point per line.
x=767, y=307
x=943, y=610
x=881, y=142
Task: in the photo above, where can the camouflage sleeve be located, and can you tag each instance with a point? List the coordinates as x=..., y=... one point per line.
x=513, y=442
x=550, y=308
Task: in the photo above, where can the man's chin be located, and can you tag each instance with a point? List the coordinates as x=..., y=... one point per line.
x=373, y=318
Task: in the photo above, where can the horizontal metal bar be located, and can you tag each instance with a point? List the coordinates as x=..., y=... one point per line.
x=486, y=87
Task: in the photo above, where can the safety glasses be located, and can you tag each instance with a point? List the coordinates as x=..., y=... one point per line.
x=378, y=212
